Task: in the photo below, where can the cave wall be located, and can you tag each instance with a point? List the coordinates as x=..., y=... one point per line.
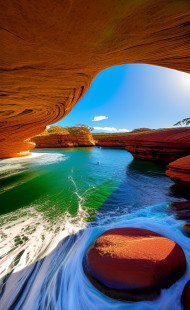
x=52, y=50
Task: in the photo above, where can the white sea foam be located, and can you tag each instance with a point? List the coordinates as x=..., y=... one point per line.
x=32, y=232
x=38, y=236
x=58, y=281
x=9, y=164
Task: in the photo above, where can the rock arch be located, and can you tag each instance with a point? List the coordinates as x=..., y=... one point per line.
x=51, y=51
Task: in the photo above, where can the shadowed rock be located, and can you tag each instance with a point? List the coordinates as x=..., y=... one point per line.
x=185, y=299
x=182, y=212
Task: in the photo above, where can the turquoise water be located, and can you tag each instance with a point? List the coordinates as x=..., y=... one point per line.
x=56, y=202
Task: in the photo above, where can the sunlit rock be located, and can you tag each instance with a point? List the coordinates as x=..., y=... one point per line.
x=133, y=264
x=160, y=145
x=64, y=137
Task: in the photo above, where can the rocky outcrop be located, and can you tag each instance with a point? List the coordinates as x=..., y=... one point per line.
x=182, y=212
x=185, y=299
x=160, y=145
x=133, y=264
x=115, y=141
x=179, y=171
x=64, y=137
x=51, y=52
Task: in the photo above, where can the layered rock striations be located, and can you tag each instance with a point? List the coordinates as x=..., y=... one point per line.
x=112, y=141
x=51, y=51
x=64, y=137
x=160, y=145
x=179, y=171
x=133, y=264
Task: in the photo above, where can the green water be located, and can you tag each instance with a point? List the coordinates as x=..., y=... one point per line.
x=55, y=193
x=59, y=180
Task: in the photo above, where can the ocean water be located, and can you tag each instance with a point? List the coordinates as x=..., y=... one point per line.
x=56, y=202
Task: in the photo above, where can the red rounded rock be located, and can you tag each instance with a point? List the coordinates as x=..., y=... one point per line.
x=179, y=171
x=133, y=264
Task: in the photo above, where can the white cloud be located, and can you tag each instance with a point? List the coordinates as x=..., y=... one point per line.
x=99, y=118
x=123, y=130
x=111, y=129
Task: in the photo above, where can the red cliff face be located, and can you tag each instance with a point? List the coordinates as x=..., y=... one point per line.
x=179, y=171
x=117, y=141
x=51, y=51
x=160, y=145
x=67, y=137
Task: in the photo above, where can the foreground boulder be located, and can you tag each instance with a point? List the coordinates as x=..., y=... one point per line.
x=185, y=299
x=179, y=171
x=57, y=136
x=133, y=264
x=160, y=145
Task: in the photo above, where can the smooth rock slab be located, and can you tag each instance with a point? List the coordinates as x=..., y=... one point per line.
x=133, y=264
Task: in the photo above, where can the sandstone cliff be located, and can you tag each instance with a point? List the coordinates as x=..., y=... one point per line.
x=112, y=141
x=64, y=137
x=51, y=51
x=179, y=171
x=161, y=145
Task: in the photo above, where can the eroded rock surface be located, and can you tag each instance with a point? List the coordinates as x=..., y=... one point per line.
x=66, y=137
x=179, y=171
x=112, y=142
x=160, y=145
x=51, y=51
x=133, y=264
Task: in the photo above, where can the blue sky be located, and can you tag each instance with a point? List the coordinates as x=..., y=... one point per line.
x=133, y=96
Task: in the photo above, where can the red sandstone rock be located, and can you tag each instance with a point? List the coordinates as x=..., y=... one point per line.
x=51, y=52
x=179, y=171
x=117, y=141
x=70, y=137
x=185, y=299
x=133, y=264
x=182, y=212
x=186, y=229
x=160, y=145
